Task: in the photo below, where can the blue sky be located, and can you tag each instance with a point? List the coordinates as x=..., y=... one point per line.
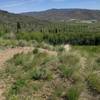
x=18, y=6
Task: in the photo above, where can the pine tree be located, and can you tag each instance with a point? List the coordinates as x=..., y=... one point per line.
x=18, y=27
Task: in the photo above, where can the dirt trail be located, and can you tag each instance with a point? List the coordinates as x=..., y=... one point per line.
x=9, y=53
x=6, y=55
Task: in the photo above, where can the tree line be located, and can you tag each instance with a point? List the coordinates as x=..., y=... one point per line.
x=56, y=33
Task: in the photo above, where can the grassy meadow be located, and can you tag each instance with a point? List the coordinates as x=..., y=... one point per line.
x=70, y=75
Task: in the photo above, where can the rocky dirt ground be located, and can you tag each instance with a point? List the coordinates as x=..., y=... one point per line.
x=9, y=53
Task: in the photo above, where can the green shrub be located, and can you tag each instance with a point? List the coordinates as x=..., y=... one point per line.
x=69, y=59
x=98, y=60
x=22, y=59
x=66, y=71
x=77, y=77
x=22, y=43
x=61, y=48
x=96, y=64
x=40, y=73
x=59, y=90
x=94, y=81
x=73, y=93
x=12, y=97
x=35, y=51
x=16, y=87
x=8, y=42
x=18, y=59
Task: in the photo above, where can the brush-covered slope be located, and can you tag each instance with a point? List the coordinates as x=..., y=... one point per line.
x=66, y=14
x=9, y=21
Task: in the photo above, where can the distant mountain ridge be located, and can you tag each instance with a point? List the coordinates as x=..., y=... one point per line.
x=7, y=16
x=65, y=14
x=28, y=23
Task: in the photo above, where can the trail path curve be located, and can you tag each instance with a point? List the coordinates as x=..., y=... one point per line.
x=9, y=53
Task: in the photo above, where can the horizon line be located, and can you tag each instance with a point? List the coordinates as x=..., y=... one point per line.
x=49, y=9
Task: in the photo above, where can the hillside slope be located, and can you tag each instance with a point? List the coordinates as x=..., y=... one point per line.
x=8, y=21
x=66, y=14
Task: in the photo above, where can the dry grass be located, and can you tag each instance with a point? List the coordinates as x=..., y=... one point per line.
x=44, y=76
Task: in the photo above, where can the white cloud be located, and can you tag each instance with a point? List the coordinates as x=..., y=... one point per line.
x=18, y=3
x=22, y=2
